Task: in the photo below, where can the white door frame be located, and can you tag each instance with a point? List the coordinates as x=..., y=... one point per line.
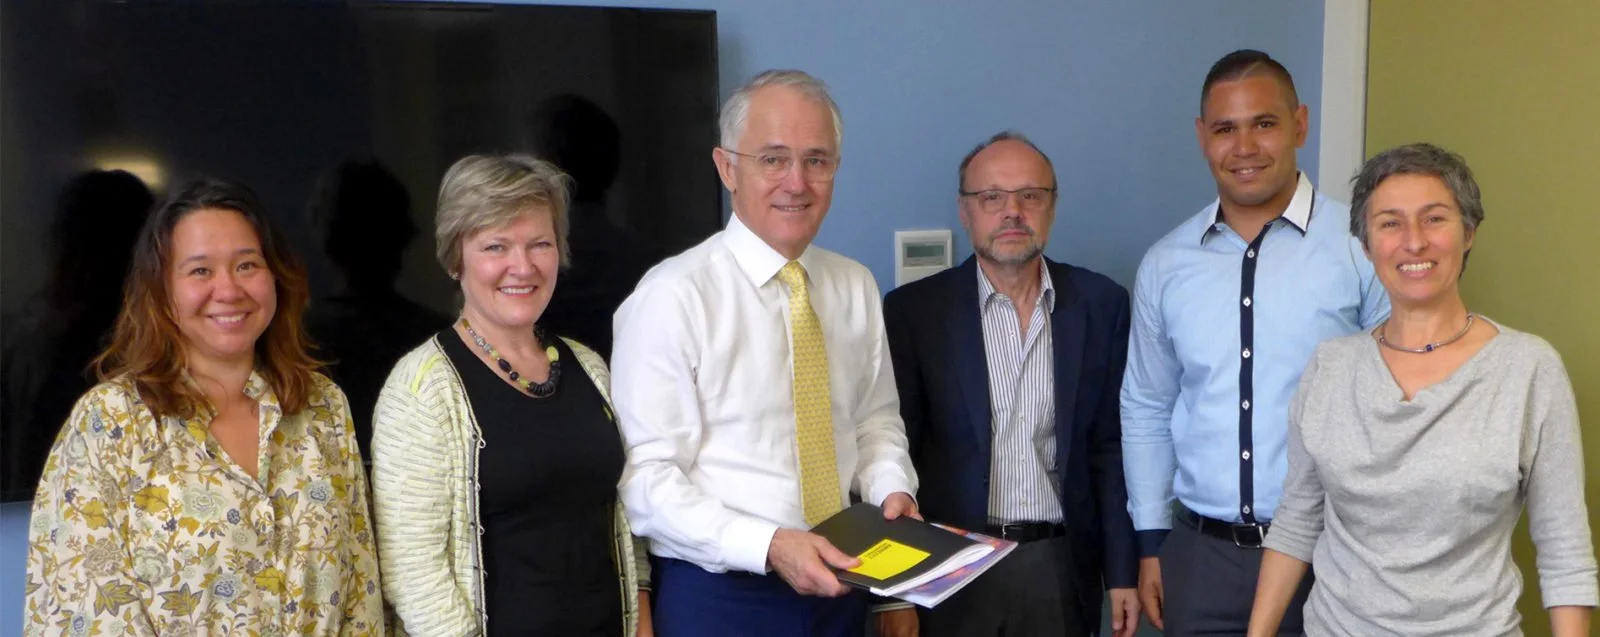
x=1343, y=130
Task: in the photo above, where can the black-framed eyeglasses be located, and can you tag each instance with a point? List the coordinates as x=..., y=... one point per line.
x=1031, y=199
x=776, y=164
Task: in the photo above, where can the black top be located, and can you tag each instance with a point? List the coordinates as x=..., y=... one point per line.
x=549, y=470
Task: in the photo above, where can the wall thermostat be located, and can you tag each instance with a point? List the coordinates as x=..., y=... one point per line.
x=919, y=253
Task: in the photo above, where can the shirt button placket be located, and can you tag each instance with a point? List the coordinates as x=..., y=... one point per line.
x=1246, y=376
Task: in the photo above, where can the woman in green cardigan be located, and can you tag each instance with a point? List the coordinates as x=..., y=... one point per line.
x=494, y=473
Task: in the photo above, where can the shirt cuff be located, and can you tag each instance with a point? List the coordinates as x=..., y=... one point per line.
x=1284, y=541
x=1580, y=593
x=887, y=486
x=745, y=543
x=1150, y=541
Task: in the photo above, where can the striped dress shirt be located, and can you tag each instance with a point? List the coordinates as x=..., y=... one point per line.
x=1022, y=484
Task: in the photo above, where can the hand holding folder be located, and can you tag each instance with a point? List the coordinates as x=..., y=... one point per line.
x=807, y=562
x=909, y=559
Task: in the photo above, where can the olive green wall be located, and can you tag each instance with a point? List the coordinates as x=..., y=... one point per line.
x=1515, y=88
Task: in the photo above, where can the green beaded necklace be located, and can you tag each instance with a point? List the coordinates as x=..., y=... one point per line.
x=537, y=390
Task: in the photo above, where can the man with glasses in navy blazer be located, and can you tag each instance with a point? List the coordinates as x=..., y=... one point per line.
x=1008, y=368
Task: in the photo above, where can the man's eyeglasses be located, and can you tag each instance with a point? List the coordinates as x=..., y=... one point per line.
x=776, y=165
x=1028, y=199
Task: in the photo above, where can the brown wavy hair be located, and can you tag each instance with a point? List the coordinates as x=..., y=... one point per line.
x=146, y=344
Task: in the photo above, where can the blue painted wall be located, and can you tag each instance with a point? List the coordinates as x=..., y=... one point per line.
x=1108, y=89
x=13, y=555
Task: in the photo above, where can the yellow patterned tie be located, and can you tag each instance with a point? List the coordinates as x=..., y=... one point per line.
x=813, y=406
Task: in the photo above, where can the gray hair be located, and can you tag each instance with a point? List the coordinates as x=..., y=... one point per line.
x=1005, y=135
x=481, y=192
x=1416, y=159
x=736, y=111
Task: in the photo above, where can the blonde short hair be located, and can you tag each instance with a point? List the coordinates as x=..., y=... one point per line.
x=481, y=192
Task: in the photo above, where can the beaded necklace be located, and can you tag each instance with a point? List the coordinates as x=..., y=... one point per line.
x=537, y=390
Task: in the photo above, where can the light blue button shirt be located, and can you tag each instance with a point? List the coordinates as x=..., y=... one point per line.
x=1182, y=399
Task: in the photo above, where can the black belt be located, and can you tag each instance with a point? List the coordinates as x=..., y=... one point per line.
x=1025, y=531
x=1245, y=536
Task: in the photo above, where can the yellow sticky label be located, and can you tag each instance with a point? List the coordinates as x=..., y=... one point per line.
x=887, y=559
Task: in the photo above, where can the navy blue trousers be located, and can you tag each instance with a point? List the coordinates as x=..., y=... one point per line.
x=688, y=601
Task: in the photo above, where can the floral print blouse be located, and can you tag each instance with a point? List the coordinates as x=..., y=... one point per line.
x=143, y=527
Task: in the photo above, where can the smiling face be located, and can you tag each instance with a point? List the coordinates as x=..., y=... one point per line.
x=785, y=211
x=1416, y=239
x=1249, y=130
x=508, y=272
x=222, y=293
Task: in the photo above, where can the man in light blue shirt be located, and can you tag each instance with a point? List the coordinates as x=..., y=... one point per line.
x=1227, y=310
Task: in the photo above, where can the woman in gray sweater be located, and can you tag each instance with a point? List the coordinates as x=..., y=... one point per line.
x=1413, y=449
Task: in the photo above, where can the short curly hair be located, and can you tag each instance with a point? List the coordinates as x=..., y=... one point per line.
x=1416, y=159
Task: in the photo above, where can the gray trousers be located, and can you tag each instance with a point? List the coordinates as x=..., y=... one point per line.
x=1210, y=585
x=1022, y=596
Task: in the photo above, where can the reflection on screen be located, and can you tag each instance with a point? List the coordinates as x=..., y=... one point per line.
x=343, y=117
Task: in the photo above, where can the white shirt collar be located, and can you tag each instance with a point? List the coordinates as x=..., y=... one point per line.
x=759, y=262
x=1299, y=210
x=1298, y=214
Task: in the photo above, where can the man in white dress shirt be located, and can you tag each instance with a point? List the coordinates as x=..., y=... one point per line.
x=755, y=391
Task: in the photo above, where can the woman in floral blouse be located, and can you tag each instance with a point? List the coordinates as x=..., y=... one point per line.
x=210, y=485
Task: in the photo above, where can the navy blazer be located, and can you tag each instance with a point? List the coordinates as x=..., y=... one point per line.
x=935, y=337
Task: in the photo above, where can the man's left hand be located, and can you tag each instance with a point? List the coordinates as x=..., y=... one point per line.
x=900, y=503
x=1124, y=611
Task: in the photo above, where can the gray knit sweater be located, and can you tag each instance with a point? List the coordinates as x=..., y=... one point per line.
x=1405, y=508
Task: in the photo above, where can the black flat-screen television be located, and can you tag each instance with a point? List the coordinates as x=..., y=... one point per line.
x=342, y=117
